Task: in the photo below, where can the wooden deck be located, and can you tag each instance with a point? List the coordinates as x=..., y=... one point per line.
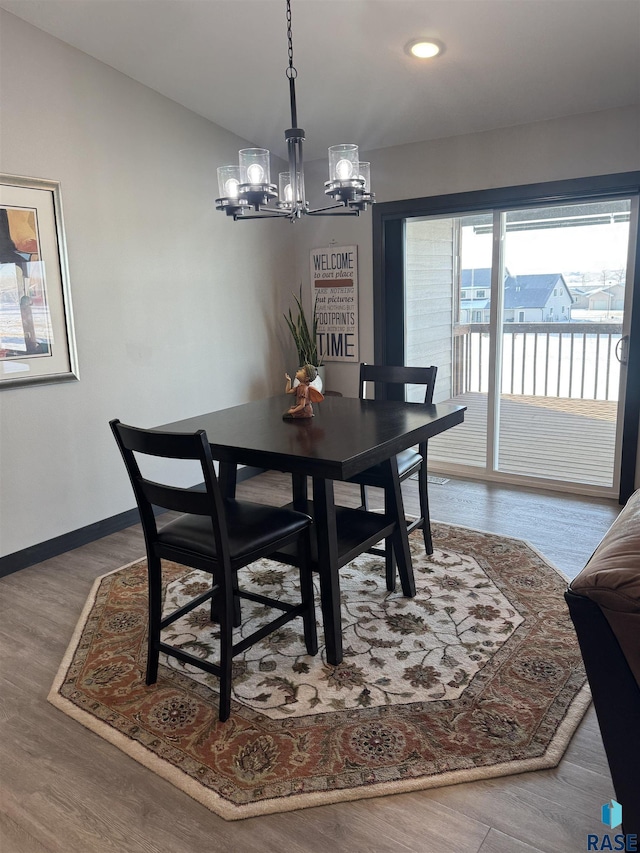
x=561, y=439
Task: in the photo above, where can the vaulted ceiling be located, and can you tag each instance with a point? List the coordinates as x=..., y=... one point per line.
x=506, y=62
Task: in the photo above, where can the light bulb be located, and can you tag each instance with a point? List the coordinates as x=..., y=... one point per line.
x=255, y=173
x=288, y=193
x=344, y=169
x=228, y=181
x=364, y=173
x=231, y=188
x=423, y=48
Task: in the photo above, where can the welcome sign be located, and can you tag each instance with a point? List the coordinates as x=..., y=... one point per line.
x=334, y=283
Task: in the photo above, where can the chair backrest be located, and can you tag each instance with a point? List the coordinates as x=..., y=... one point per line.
x=392, y=379
x=149, y=493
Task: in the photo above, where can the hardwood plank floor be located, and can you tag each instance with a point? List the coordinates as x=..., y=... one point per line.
x=62, y=788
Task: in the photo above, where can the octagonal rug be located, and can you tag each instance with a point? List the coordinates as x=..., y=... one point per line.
x=479, y=675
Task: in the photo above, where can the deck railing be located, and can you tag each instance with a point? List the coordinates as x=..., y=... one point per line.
x=575, y=360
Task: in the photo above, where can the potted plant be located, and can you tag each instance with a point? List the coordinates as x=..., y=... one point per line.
x=304, y=334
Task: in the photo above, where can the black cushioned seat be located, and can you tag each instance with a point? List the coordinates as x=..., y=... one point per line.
x=250, y=529
x=409, y=461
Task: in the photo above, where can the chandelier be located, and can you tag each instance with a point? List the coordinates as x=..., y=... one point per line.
x=246, y=191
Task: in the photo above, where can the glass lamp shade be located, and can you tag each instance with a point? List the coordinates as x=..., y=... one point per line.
x=254, y=166
x=228, y=181
x=285, y=190
x=364, y=173
x=343, y=162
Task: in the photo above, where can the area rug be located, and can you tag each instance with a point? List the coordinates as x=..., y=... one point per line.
x=477, y=676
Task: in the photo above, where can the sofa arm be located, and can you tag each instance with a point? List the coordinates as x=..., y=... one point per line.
x=611, y=579
x=616, y=697
x=604, y=603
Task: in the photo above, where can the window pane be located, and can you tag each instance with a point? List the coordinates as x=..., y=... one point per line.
x=447, y=315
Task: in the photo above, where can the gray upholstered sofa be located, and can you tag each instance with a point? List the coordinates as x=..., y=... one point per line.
x=604, y=602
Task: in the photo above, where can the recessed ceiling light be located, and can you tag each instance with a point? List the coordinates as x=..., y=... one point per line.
x=424, y=48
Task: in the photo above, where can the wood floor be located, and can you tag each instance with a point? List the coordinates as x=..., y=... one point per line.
x=550, y=437
x=62, y=788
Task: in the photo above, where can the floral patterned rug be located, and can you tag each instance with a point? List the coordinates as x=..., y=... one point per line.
x=479, y=675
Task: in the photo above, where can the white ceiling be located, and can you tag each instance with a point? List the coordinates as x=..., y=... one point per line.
x=506, y=62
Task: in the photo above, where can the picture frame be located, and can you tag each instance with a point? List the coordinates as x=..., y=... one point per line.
x=334, y=288
x=37, y=338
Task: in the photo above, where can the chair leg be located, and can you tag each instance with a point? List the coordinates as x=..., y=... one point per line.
x=389, y=553
x=364, y=500
x=237, y=617
x=390, y=564
x=155, y=615
x=215, y=605
x=424, y=508
x=307, y=596
x=226, y=659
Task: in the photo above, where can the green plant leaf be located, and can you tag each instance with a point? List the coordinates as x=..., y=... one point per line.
x=304, y=336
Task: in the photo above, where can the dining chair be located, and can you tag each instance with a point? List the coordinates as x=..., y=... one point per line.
x=410, y=461
x=215, y=535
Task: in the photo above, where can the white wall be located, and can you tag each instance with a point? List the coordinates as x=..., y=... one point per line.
x=177, y=309
x=571, y=147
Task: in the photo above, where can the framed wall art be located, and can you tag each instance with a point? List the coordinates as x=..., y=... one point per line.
x=37, y=342
x=334, y=285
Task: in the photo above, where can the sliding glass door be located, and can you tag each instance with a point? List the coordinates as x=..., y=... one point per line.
x=561, y=327
x=526, y=310
x=438, y=311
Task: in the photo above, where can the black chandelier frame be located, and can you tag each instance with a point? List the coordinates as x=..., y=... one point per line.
x=255, y=201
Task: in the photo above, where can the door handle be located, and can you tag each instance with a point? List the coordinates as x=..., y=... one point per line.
x=621, y=349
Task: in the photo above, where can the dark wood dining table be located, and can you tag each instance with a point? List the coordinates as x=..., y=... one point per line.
x=345, y=437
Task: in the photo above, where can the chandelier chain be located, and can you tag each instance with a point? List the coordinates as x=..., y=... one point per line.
x=291, y=71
